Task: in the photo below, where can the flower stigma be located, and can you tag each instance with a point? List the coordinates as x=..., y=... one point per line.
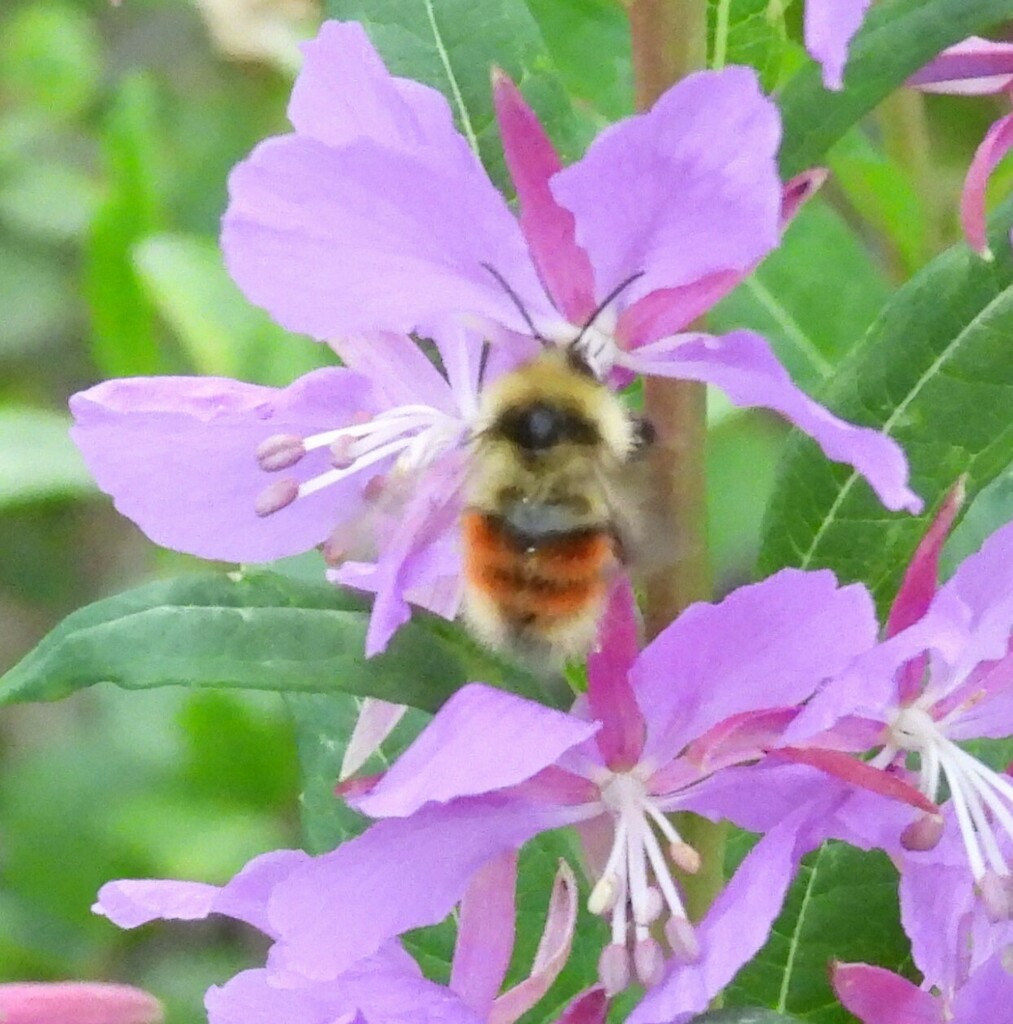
x=636, y=886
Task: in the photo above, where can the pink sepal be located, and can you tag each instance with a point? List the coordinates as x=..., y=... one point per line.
x=920, y=584
x=799, y=190
x=549, y=230
x=993, y=148
x=878, y=996
x=588, y=1007
x=609, y=691
x=857, y=773
x=973, y=67
x=485, y=934
x=551, y=956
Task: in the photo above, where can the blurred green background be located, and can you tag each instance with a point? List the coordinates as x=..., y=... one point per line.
x=118, y=126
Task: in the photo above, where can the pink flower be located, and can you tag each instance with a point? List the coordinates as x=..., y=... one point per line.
x=77, y=1002
x=385, y=987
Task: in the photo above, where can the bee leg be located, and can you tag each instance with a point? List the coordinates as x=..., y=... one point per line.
x=644, y=435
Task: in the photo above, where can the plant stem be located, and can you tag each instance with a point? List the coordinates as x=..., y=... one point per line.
x=669, y=40
x=906, y=139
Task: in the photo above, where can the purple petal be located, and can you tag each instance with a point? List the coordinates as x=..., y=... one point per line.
x=989, y=709
x=973, y=67
x=878, y=996
x=996, y=144
x=485, y=934
x=399, y=371
x=683, y=191
x=767, y=645
x=77, y=1002
x=402, y=873
x=363, y=238
x=132, y=902
x=178, y=456
x=377, y=719
x=669, y=310
x=744, y=367
x=548, y=228
x=418, y=557
x=482, y=740
x=866, y=688
x=344, y=93
x=829, y=28
x=735, y=928
x=373, y=992
x=986, y=996
x=931, y=912
x=609, y=692
x=756, y=797
x=552, y=953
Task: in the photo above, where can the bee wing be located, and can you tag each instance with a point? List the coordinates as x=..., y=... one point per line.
x=637, y=508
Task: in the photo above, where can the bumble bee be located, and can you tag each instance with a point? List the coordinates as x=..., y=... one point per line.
x=552, y=508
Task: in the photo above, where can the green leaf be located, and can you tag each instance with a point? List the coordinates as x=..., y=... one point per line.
x=898, y=37
x=185, y=279
x=935, y=372
x=123, y=341
x=814, y=297
x=992, y=508
x=323, y=724
x=50, y=59
x=755, y=33
x=589, y=41
x=452, y=45
x=745, y=1015
x=256, y=631
x=843, y=905
x=38, y=460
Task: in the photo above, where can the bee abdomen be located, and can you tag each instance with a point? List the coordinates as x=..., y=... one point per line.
x=529, y=591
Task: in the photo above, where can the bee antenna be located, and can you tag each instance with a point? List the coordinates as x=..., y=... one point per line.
x=515, y=299
x=603, y=305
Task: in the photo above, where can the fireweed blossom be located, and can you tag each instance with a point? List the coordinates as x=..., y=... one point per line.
x=975, y=67
x=375, y=219
x=376, y=214
x=493, y=770
x=386, y=987
x=943, y=675
x=878, y=996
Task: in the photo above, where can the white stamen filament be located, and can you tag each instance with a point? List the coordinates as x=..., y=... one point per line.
x=416, y=434
x=982, y=798
x=332, y=476
x=637, y=878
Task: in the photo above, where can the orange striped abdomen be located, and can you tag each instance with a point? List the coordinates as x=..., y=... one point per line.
x=551, y=592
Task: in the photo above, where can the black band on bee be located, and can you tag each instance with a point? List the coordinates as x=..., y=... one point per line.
x=539, y=426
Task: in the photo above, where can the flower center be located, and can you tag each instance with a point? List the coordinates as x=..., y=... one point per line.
x=416, y=434
x=982, y=801
x=636, y=886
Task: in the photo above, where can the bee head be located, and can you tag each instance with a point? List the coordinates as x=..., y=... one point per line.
x=538, y=426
